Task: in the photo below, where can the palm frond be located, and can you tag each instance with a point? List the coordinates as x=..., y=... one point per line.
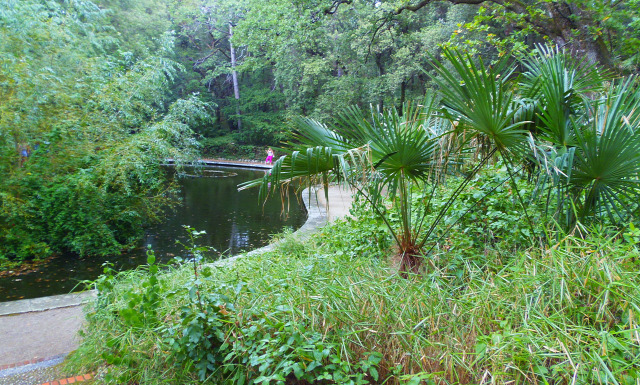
x=479, y=98
x=558, y=85
x=607, y=165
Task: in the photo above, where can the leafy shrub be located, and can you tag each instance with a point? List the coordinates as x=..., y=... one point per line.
x=78, y=213
x=206, y=336
x=199, y=339
x=269, y=351
x=366, y=236
x=490, y=213
x=95, y=124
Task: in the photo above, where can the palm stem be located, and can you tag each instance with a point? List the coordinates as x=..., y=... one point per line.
x=380, y=214
x=424, y=214
x=405, y=209
x=455, y=195
x=515, y=188
x=446, y=231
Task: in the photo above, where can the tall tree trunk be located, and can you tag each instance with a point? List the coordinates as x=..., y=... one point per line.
x=334, y=33
x=380, y=73
x=234, y=75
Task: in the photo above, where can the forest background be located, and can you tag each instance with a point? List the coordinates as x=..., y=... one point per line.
x=95, y=95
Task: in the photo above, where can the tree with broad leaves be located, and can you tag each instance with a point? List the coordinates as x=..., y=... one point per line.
x=596, y=30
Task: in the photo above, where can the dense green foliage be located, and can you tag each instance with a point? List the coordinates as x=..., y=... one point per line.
x=83, y=129
x=263, y=62
x=326, y=310
x=315, y=57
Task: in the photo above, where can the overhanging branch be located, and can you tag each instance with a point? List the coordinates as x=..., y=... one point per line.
x=423, y=3
x=333, y=8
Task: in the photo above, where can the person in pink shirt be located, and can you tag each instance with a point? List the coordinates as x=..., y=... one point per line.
x=269, y=159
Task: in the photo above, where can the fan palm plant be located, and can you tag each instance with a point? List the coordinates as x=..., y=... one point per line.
x=584, y=139
x=397, y=153
x=588, y=143
x=556, y=86
x=481, y=99
x=388, y=151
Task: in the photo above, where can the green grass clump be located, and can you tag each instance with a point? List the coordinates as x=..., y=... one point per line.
x=305, y=313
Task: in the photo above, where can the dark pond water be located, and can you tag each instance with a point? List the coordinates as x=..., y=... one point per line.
x=233, y=221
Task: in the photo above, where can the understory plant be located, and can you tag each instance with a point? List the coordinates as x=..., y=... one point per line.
x=586, y=146
x=197, y=334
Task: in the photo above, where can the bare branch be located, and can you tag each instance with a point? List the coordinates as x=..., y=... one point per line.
x=333, y=8
x=198, y=62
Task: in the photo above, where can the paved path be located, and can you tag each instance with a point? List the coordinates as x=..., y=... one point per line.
x=39, y=335
x=340, y=200
x=37, y=329
x=45, y=329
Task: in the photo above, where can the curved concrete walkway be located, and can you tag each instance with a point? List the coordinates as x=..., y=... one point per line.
x=38, y=331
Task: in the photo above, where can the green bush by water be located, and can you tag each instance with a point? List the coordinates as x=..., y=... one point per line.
x=322, y=313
